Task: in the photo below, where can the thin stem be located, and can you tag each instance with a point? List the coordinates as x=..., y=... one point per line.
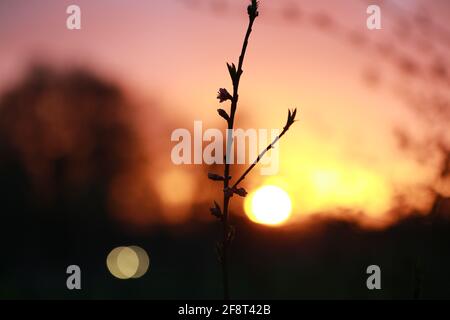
x=250, y=168
x=226, y=195
x=239, y=71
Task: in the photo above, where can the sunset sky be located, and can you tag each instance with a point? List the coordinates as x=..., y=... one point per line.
x=373, y=105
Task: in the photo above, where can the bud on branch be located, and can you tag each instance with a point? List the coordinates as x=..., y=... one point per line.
x=223, y=95
x=215, y=177
x=216, y=211
x=223, y=114
x=252, y=9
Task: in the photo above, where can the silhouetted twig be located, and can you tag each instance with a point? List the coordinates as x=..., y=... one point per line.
x=224, y=95
x=290, y=121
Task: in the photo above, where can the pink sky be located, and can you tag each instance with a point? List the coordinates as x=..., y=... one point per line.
x=175, y=52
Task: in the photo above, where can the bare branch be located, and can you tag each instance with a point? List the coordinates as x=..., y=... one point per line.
x=289, y=122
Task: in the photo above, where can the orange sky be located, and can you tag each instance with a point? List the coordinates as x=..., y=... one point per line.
x=343, y=153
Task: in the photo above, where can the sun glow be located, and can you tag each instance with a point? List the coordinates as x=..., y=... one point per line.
x=269, y=205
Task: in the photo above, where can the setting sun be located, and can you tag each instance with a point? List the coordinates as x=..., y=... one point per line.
x=268, y=205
